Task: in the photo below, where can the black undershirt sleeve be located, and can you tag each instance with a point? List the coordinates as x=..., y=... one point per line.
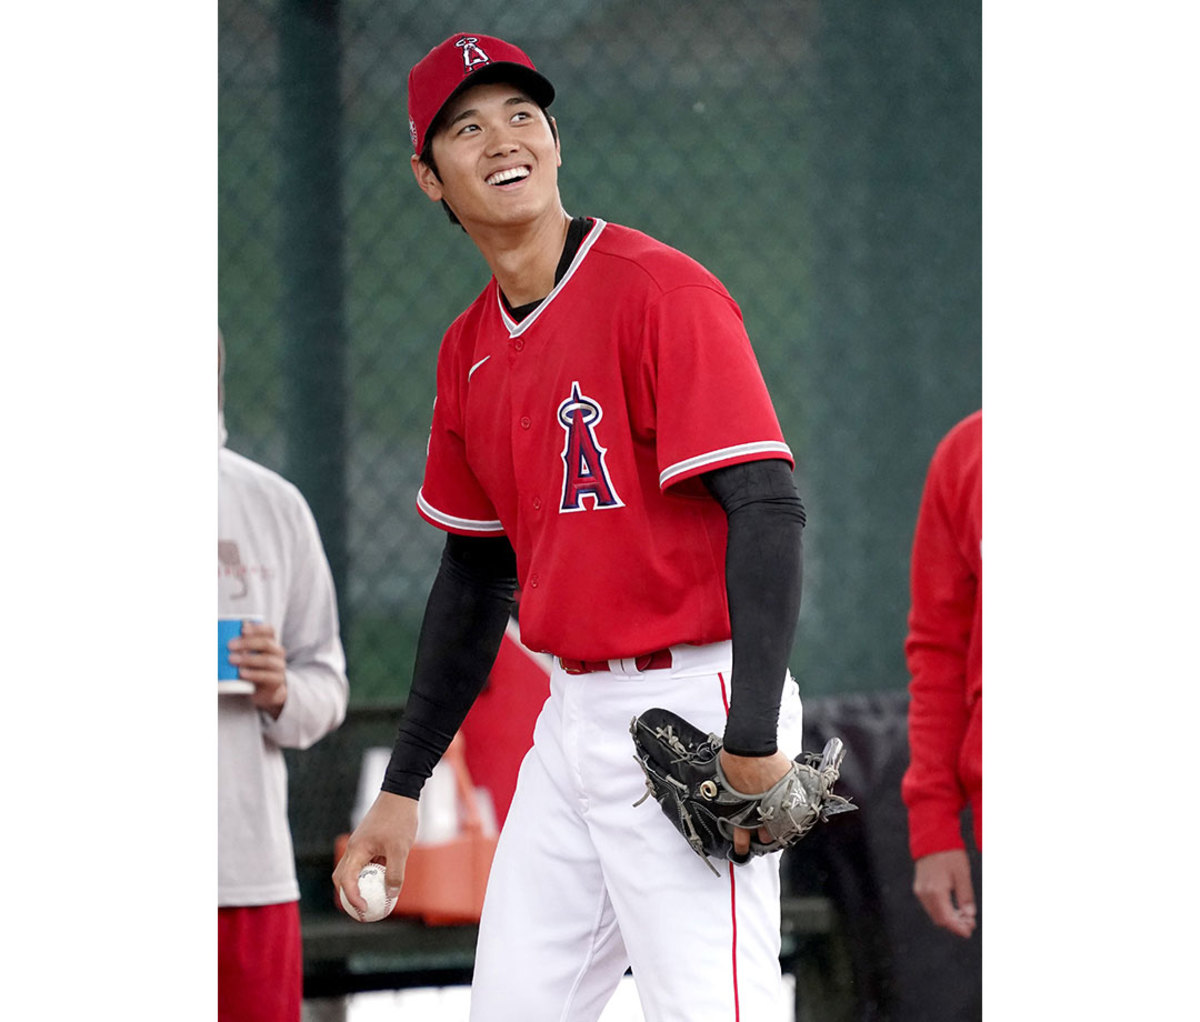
x=465, y=617
x=763, y=573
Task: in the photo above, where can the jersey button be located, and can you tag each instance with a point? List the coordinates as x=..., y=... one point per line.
x=525, y=422
x=518, y=345
x=533, y=581
x=537, y=503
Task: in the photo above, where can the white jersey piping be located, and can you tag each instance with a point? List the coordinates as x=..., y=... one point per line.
x=451, y=522
x=514, y=328
x=724, y=454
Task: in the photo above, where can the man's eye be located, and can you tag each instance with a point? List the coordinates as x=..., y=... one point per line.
x=468, y=128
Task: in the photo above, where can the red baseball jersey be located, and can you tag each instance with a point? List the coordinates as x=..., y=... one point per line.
x=579, y=433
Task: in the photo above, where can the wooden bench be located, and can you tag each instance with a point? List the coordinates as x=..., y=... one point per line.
x=343, y=956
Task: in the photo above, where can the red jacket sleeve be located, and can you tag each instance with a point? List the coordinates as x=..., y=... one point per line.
x=943, y=647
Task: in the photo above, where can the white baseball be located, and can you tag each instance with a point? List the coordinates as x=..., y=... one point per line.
x=373, y=888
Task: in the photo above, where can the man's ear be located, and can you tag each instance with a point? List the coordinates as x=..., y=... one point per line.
x=557, y=138
x=426, y=179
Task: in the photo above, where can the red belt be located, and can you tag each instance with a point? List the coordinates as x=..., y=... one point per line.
x=657, y=661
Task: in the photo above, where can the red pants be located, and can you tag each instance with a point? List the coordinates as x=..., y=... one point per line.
x=260, y=970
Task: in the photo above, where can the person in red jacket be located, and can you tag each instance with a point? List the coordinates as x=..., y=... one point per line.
x=944, y=650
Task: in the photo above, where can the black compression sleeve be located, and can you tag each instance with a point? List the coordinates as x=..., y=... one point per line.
x=465, y=618
x=763, y=572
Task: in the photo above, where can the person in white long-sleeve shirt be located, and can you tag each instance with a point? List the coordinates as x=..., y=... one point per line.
x=271, y=566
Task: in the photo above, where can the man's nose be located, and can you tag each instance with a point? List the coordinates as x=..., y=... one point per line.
x=503, y=148
x=503, y=142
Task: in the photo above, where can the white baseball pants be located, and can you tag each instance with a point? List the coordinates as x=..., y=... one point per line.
x=585, y=885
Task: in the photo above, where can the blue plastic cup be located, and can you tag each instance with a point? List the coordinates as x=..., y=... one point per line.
x=228, y=682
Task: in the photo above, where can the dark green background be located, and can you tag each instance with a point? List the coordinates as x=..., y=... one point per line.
x=822, y=158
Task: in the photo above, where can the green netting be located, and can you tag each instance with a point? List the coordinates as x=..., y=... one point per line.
x=823, y=159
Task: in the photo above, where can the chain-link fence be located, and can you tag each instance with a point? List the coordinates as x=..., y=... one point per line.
x=822, y=158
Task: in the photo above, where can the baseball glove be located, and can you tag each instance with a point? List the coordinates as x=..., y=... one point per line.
x=683, y=772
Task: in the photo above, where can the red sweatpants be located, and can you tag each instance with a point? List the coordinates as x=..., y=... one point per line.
x=260, y=970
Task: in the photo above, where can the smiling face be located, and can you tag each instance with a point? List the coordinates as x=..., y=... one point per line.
x=497, y=159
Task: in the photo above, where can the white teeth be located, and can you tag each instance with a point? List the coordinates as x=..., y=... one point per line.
x=504, y=176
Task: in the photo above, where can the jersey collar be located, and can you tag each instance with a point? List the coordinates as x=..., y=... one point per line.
x=514, y=328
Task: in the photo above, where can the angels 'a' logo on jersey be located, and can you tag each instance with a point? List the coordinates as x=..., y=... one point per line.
x=472, y=54
x=585, y=476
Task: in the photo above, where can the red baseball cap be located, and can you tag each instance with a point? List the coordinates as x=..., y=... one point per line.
x=463, y=60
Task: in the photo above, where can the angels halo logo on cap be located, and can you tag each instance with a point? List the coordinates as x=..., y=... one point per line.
x=471, y=51
x=462, y=60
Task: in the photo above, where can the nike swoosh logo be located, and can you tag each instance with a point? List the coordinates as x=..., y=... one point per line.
x=477, y=365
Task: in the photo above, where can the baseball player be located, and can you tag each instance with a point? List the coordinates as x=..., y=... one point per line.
x=603, y=441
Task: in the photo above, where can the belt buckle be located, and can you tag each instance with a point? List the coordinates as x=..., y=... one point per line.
x=658, y=660
x=576, y=667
